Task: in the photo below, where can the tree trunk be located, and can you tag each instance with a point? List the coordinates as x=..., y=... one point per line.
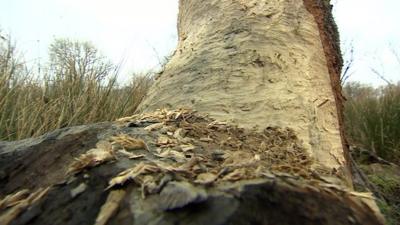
x=271, y=64
x=260, y=63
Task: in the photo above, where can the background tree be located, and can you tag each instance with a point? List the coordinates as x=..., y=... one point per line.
x=78, y=61
x=78, y=86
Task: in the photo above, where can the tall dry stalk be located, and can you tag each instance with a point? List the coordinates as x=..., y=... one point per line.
x=70, y=94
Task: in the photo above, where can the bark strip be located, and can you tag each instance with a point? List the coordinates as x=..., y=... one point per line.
x=321, y=11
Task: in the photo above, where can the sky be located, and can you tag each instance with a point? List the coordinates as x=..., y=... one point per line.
x=372, y=28
x=136, y=32
x=140, y=33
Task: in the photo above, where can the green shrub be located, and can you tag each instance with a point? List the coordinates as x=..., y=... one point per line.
x=372, y=119
x=387, y=179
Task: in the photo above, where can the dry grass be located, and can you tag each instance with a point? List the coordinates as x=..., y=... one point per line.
x=30, y=106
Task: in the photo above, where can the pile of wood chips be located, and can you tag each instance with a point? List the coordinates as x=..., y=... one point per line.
x=201, y=150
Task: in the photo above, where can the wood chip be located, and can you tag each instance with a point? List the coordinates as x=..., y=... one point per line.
x=91, y=158
x=168, y=168
x=129, y=143
x=365, y=195
x=216, y=124
x=165, y=141
x=238, y=158
x=172, y=154
x=154, y=127
x=206, y=178
x=78, y=190
x=7, y=217
x=110, y=206
x=127, y=119
x=187, y=147
x=132, y=173
x=105, y=145
x=179, y=134
x=13, y=199
x=236, y=175
x=206, y=139
x=131, y=155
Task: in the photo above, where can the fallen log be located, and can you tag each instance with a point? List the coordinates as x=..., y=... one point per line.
x=170, y=167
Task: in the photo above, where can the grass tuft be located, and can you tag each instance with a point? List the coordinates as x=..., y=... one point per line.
x=79, y=87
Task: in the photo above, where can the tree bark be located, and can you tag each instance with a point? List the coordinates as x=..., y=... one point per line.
x=264, y=64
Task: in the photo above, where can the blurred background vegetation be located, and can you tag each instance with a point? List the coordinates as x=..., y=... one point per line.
x=372, y=124
x=372, y=118
x=77, y=86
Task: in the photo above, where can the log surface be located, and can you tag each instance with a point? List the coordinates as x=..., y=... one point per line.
x=269, y=195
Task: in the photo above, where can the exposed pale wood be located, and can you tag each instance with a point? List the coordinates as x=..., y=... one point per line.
x=260, y=63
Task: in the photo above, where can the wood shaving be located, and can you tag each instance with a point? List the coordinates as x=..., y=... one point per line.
x=78, y=190
x=129, y=143
x=187, y=147
x=105, y=145
x=206, y=139
x=127, y=119
x=13, y=199
x=110, y=207
x=130, y=174
x=168, y=168
x=179, y=134
x=172, y=154
x=91, y=158
x=206, y=178
x=238, y=174
x=7, y=217
x=130, y=155
x=154, y=127
x=165, y=141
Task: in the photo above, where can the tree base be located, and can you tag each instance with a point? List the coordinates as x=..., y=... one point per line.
x=103, y=174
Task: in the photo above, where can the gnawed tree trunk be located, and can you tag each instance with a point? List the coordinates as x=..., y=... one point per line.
x=260, y=63
x=273, y=64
